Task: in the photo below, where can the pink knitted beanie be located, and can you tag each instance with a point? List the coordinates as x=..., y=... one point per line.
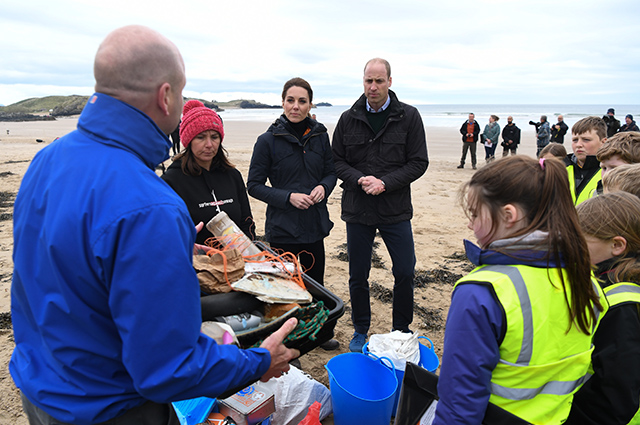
x=197, y=118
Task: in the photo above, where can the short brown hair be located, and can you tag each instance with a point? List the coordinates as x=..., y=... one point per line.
x=591, y=123
x=623, y=178
x=626, y=145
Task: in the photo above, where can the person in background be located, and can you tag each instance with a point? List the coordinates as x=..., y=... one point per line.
x=543, y=134
x=613, y=125
x=520, y=325
x=510, y=138
x=294, y=154
x=558, y=130
x=380, y=148
x=470, y=131
x=611, y=225
x=175, y=139
x=490, y=138
x=554, y=150
x=622, y=148
x=623, y=178
x=105, y=303
x=204, y=177
x=583, y=167
x=630, y=124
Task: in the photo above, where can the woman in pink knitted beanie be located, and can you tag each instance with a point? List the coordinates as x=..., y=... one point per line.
x=202, y=174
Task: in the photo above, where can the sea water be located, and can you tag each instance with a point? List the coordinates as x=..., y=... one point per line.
x=454, y=115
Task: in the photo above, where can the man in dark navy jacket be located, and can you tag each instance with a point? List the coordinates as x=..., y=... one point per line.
x=510, y=138
x=379, y=148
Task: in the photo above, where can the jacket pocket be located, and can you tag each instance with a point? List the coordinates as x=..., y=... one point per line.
x=286, y=165
x=393, y=148
x=282, y=224
x=323, y=222
x=350, y=201
x=395, y=203
x=281, y=155
x=354, y=148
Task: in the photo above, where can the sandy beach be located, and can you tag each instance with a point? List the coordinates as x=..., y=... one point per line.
x=439, y=227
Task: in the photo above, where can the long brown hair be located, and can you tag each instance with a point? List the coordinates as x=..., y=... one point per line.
x=610, y=215
x=191, y=167
x=541, y=189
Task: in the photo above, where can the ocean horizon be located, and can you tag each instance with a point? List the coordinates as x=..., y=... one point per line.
x=452, y=115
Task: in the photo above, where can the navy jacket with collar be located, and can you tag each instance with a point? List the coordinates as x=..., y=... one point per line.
x=397, y=154
x=292, y=166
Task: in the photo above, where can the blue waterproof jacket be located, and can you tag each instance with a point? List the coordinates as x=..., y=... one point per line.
x=105, y=302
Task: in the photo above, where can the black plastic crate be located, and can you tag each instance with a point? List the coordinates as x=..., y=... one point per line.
x=319, y=293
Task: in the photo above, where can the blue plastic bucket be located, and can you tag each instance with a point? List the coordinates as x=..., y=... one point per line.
x=428, y=357
x=363, y=389
x=428, y=360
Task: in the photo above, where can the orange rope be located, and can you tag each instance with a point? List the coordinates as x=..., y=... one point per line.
x=239, y=241
x=214, y=251
x=282, y=258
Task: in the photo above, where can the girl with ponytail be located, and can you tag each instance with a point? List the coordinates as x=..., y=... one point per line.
x=520, y=324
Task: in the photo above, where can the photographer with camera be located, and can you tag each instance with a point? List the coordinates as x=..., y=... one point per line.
x=613, y=125
x=543, y=133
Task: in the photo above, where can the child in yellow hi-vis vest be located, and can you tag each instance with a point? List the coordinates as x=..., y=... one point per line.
x=611, y=224
x=519, y=328
x=587, y=136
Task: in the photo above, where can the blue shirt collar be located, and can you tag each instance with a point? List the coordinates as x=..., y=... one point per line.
x=386, y=104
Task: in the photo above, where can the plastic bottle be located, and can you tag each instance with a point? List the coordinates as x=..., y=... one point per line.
x=229, y=234
x=241, y=322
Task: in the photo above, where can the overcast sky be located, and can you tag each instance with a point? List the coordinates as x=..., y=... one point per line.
x=445, y=51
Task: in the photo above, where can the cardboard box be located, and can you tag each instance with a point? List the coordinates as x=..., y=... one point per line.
x=250, y=406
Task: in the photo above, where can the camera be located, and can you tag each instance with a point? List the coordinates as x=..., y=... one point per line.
x=536, y=124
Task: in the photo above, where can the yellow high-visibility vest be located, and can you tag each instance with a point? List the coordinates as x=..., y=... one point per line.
x=543, y=361
x=623, y=293
x=588, y=190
